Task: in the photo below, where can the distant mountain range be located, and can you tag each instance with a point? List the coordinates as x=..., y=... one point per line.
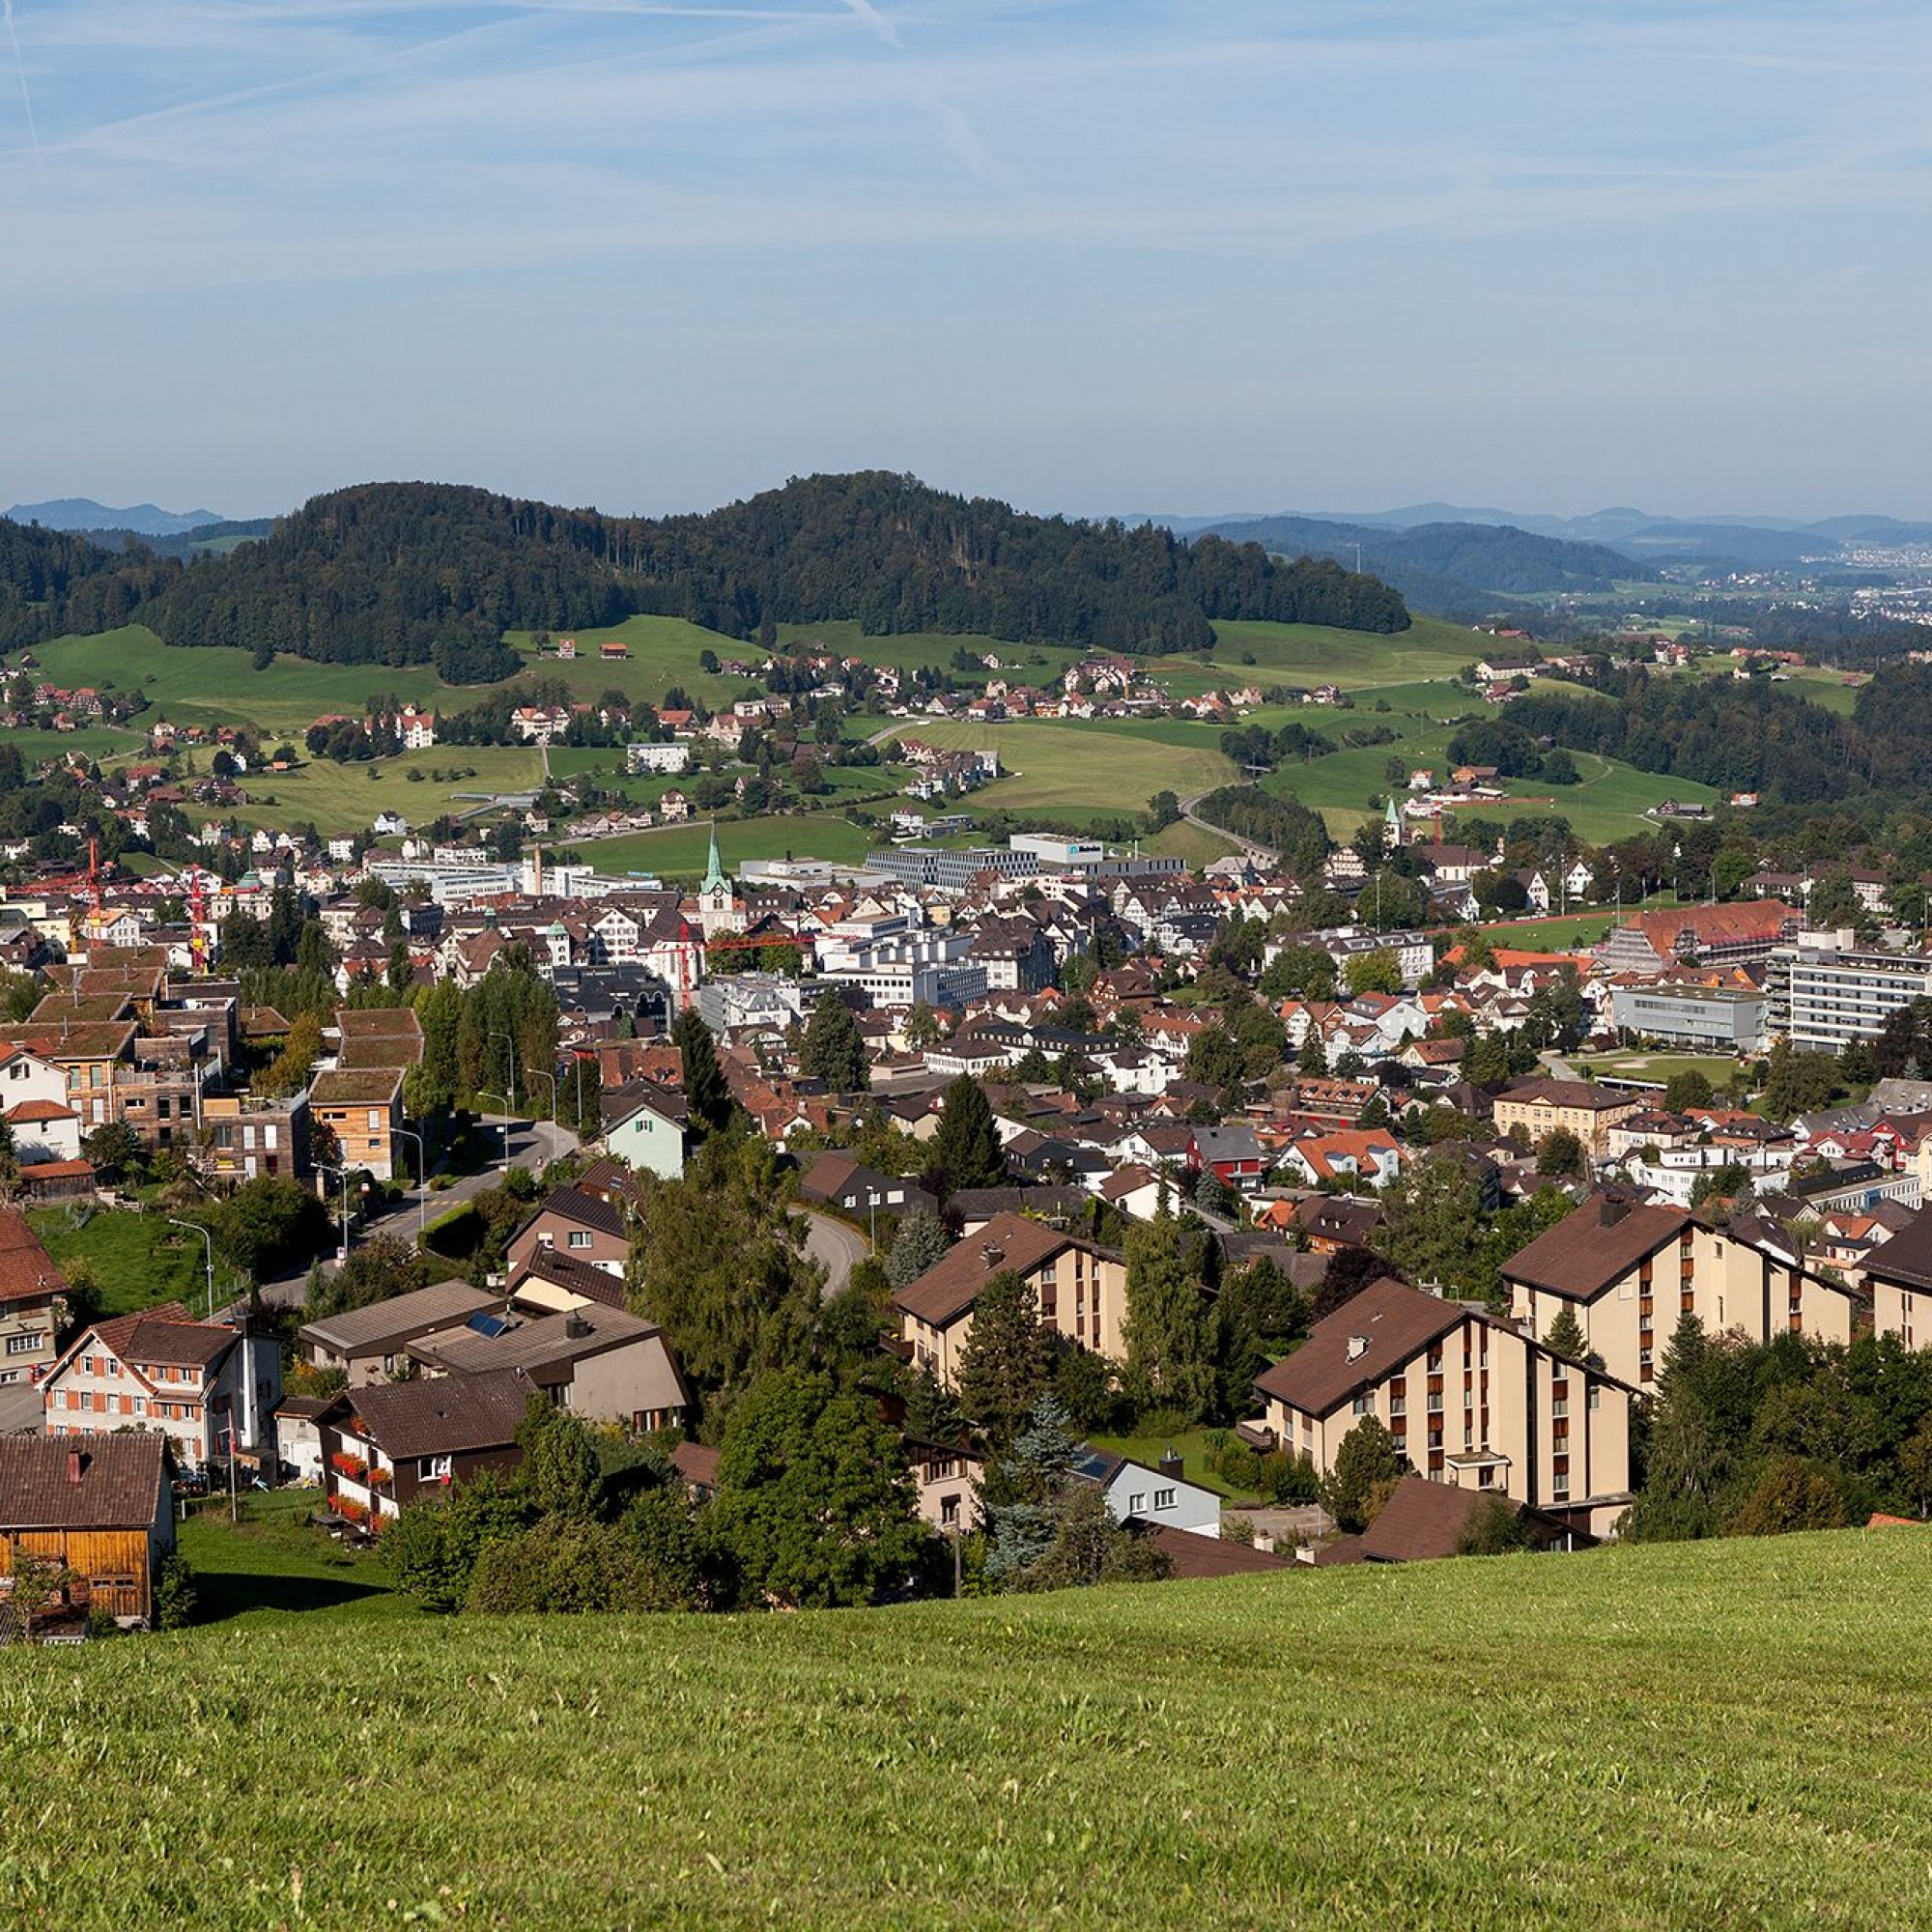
x=1750, y=541
x=1458, y=570
x=83, y=513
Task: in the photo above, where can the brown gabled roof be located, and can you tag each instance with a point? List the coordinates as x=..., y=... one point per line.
x=586, y=1210
x=1905, y=1260
x=1421, y=1520
x=566, y=1271
x=115, y=1482
x=1577, y=1094
x=444, y=1415
x=178, y=1344
x=1593, y=1247
x=697, y=1463
x=951, y=1285
x=1190, y=1556
x=1396, y=1323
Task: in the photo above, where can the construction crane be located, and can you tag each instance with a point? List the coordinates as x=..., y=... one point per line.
x=691, y=944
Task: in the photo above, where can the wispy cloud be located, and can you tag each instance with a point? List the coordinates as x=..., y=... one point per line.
x=782, y=216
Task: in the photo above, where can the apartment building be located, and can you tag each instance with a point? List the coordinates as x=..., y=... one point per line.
x=1829, y=994
x=1539, y=1107
x=1081, y=1290
x=1630, y=1273
x=1469, y=1399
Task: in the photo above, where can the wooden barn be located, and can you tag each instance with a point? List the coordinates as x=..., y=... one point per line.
x=100, y=1508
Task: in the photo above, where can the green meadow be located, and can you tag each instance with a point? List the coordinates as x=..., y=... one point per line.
x=1721, y=1734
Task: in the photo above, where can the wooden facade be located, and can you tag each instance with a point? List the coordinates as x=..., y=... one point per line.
x=112, y=1567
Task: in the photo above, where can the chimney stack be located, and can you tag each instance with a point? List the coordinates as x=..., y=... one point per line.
x=1359, y=1346
x=1611, y=1212
x=73, y=1460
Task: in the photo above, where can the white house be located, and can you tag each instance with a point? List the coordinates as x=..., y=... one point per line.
x=644, y=1127
x=656, y=757
x=1161, y=1496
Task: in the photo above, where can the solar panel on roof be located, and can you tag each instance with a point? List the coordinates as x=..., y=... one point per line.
x=486, y=1324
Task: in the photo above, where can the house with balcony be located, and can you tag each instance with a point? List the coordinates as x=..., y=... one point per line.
x=384, y=1445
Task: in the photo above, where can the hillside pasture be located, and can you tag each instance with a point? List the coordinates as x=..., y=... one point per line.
x=678, y=851
x=1522, y=1741
x=347, y=797
x=215, y=686
x=1061, y=768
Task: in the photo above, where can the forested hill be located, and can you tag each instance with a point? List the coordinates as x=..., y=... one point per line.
x=53, y=581
x=401, y=573
x=1741, y=735
x=1438, y=566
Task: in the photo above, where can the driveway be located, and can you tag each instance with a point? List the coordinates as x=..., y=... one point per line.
x=839, y=1249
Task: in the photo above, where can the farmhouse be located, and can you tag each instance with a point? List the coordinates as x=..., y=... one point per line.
x=100, y=1510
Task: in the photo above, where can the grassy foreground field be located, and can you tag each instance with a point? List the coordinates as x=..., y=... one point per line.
x=1712, y=1735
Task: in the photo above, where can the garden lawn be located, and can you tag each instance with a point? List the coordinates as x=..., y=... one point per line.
x=275, y=1563
x=1720, y=1734
x=138, y=1258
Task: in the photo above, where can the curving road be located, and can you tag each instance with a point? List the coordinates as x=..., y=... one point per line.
x=838, y=1248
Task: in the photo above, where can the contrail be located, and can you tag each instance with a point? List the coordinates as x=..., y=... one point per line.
x=20, y=69
x=863, y=11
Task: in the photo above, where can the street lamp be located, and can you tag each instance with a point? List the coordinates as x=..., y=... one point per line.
x=509, y=1040
x=208, y=1243
x=342, y=1175
x=537, y=1074
x=422, y=1181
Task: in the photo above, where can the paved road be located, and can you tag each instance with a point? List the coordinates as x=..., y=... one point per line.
x=1264, y=856
x=532, y=1144
x=838, y=1247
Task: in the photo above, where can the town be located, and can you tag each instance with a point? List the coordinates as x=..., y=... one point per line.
x=1321, y=1201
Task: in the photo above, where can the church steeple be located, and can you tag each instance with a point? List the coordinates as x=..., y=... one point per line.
x=717, y=904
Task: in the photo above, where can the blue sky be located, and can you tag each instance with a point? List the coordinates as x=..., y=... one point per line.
x=1200, y=256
